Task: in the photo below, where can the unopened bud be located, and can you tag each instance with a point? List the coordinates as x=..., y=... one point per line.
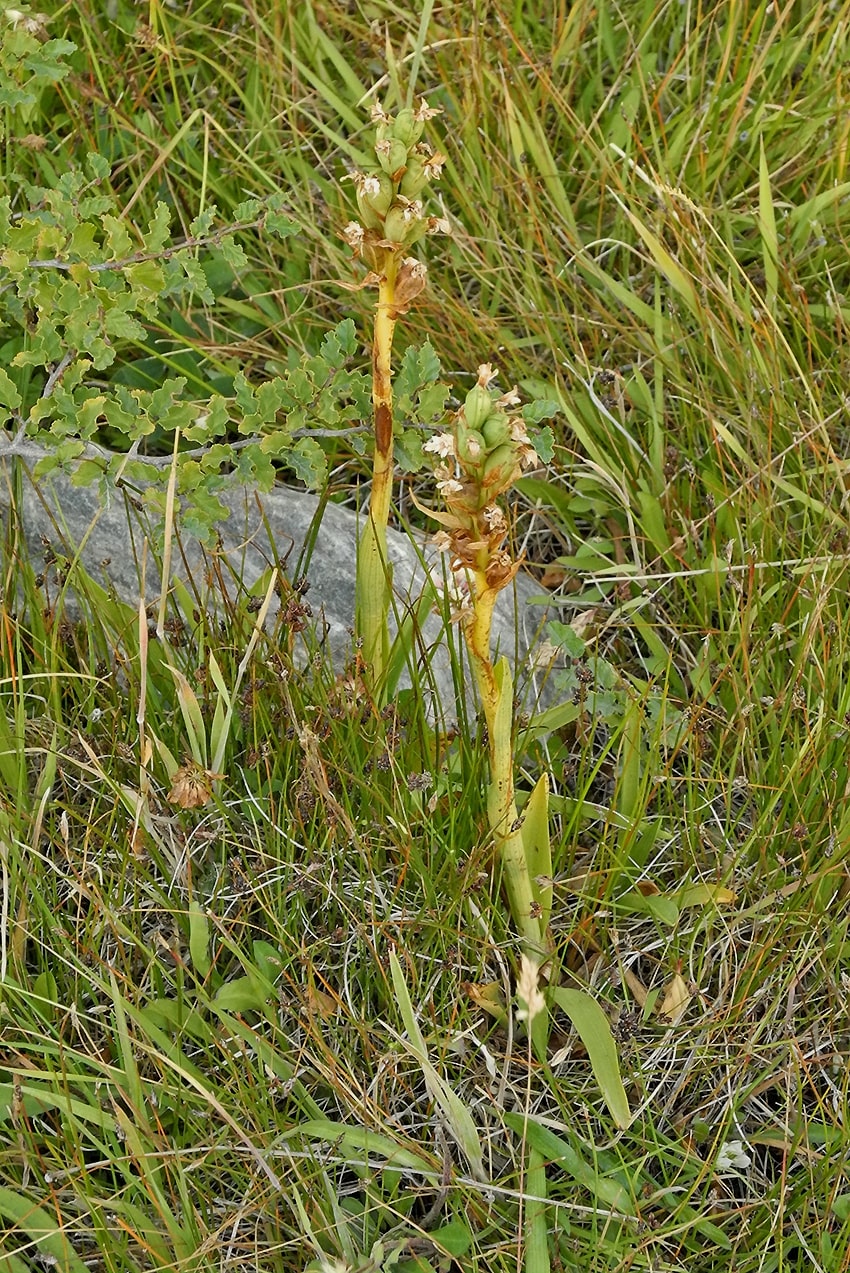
x=407, y=128
x=477, y=407
x=415, y=178
x=496, y=430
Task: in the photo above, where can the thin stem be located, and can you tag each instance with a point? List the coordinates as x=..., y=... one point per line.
x=373, y=571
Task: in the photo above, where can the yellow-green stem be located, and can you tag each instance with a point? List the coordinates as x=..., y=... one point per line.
x=496, y=689
x=373, y=572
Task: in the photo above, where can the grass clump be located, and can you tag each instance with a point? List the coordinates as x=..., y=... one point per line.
x=208, y=1058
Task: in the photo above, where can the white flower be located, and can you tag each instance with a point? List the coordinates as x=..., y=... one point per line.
x=442, y=444
x=411, y=210
x=353, y=234
x=442, y=541
x=486, y=373
x=370, y=186
x=439, y=225
x=378, y=114
x=449, y=486
x=473, y=448
x=518, y=431
x=732, y=1157
x=33, y=23
x=433, y=165
x=424, y=111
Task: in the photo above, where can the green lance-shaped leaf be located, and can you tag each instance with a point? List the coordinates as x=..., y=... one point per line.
x=594, y=1030
x=457, y=1116
x=538, y=852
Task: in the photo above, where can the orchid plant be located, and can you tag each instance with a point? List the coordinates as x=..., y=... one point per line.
x=476, y=462
x=392, y=219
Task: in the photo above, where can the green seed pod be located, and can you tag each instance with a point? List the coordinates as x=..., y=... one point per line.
x=477, y=407
x=496, y=430
x=415, y=178
x=392, y=156
x=472, y=448
x=500, y=469
x=406, y=128
x=396, y=226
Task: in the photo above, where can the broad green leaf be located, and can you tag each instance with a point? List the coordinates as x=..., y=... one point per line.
x=538, y=854
x=340, y=343
x=244, y=994
x=540, y=409
x=199, y=939
x=658, y=905
x=39, y=1226
x=594, y=1030
x=308, y=462
x=281, y=225
x=704, y=894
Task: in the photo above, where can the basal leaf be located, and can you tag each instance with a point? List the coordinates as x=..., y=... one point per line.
x=594, y=1030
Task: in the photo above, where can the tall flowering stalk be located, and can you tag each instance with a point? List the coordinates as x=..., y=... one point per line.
x=476, y=462
x=392, y=220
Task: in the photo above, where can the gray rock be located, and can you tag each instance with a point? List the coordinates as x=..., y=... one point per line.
x=108, y=530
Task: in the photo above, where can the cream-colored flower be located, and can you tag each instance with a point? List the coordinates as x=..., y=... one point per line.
x=433, y=165
x=448, y=486
x=353, y=233
x=494, y=519
x=509, y=399
x=527, y=991
x=486, y=373
x=33, y=23
x=442, y=444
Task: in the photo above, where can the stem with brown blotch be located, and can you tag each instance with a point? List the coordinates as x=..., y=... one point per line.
x=373, y=568
x=496, y=688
